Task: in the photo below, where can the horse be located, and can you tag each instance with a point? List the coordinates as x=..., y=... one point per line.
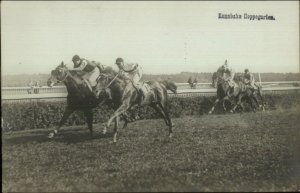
x=225, y=92
x=79, y=96
x=252, y=93
x=125, y=96
x=235, y=95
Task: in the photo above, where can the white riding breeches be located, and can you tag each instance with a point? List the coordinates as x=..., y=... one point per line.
x=134, y=76
x=92, y=76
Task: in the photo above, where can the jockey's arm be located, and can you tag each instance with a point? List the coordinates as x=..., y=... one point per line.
x=81, y=67
x=252, y=78
x=78, y=69
x=246, y=81
x=133, y=69
x=232, y=75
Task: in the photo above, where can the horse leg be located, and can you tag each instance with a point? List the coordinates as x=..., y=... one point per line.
x=252, y=105
x=117, y=119
x=214, y=106
x=261, y=98
x=125, y=124
x=224, y=100
x=123, y=108
x=89, y=119
x=253, y=102
x=236, y=104
x=66, y=115
x=164, y=108
x=160, y=111
x=224, y=107
x=256, y=101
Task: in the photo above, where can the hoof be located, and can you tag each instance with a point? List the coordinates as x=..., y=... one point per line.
x=112, y=142
x=231, y=111
x=51, y=135
x=170, y=135
x=104, y=129
x=210, y=112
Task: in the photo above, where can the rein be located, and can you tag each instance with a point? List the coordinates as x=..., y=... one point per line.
x=112, y=80
x=102, y=102
x=67, y=74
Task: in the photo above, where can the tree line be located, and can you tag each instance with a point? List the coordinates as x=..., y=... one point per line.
x=202, y=77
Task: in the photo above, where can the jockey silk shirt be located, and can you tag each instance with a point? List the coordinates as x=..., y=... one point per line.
x=135, y=73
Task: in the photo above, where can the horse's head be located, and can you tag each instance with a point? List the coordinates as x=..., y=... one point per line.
x=215, y=79
x=102, y=83
x=238, y=77
x=59, y=74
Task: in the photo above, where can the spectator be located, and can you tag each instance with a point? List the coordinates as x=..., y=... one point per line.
x=190, y=82
x=195, y=83
x=31, y=85
x=37, y=87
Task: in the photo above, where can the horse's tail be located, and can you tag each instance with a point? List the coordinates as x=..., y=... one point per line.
x=170, y=85
x=261, y=96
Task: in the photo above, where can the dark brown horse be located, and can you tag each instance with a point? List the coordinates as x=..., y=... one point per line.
x=125, y=96
x=79, y=96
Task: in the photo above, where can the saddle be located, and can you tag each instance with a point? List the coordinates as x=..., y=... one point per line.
x=146, y=90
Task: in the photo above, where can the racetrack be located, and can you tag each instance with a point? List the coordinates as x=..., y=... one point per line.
x=225, y=152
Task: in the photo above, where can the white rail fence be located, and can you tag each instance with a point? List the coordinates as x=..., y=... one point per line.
x=20, y=94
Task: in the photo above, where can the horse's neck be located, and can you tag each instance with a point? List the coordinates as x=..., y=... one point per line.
x=117, y=84
x=72, y=84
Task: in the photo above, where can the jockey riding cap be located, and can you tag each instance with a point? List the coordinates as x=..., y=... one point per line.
x=75, y=58
x=119, y=60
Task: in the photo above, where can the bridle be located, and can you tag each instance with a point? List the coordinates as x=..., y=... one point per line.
x=66, y=75
x=106, y=76
x=103, y=89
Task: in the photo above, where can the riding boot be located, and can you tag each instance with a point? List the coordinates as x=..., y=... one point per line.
x=108, y=93
x=88, y=84
x=141, y=92
x=95, y=93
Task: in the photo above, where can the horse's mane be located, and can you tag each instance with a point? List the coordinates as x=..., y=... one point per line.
x=238, y=77
x=109, y=70
x=112, y=73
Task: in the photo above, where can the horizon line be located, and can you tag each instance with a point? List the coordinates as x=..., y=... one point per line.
x=159, y=74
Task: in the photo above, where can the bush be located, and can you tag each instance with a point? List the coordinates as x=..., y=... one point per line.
x=45, y=114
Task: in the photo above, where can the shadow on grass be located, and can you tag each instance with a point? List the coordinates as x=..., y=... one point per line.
x=69, y=136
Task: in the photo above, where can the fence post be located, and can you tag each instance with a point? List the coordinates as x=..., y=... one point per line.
x=259, y=79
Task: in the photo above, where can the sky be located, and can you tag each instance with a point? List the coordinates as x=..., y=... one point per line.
x=163, y=37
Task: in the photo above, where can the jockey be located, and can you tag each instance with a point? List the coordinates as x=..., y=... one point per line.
x=89, y=70
x=227, y=73
x=133, y=72
x=190, y=82
x=249, y=79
